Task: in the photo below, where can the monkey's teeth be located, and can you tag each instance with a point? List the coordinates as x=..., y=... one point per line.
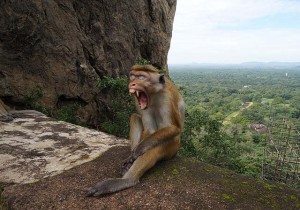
x=137, y=93
x=131, y=91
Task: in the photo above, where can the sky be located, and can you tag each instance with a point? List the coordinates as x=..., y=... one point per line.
x=235, y=31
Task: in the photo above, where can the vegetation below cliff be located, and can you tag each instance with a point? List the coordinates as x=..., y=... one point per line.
x=215, y=95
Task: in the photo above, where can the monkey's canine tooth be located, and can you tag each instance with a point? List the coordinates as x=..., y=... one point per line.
x=137, y=93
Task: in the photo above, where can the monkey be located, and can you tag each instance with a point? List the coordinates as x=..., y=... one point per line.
x=154, y=131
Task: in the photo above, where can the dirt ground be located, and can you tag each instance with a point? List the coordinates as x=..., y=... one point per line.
x=179, y=183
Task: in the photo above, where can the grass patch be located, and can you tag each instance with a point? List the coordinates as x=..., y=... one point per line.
x=67, y=113
x=228, y=198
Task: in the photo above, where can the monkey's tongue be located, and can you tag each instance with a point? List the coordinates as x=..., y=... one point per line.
x=143, y=101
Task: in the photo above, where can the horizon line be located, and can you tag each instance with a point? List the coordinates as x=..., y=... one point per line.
x=246, y=62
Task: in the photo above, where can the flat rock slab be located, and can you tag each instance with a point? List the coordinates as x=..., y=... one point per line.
x=179, y=183
x=34, y=146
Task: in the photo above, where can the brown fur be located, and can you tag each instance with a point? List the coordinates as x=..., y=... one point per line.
x=147, y=68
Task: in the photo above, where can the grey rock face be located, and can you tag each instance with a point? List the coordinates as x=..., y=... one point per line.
x=62, y=47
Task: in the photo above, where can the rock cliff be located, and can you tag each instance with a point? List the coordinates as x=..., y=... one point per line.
x=62, y=47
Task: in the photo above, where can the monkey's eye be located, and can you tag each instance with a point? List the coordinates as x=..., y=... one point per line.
x=141, y=77
x=132, y=77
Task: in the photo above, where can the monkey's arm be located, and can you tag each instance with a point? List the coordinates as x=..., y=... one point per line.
x=161, y=136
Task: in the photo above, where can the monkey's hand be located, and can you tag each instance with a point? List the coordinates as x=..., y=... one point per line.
x=142, y=148
x=162, y=136
x=125, y=166
x=138, y=151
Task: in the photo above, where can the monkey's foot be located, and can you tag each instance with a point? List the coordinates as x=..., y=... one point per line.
x=99, y=189
x=92, y=191
x=110, y=186
x=125, y=166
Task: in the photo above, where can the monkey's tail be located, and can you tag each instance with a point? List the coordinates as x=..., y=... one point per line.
x=111, y=186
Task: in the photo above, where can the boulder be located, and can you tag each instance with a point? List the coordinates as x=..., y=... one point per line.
x=34, y=146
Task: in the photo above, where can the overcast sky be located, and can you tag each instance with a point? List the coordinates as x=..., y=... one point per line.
x=235, y=31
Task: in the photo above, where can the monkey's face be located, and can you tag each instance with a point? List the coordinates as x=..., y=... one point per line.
x=144, y=84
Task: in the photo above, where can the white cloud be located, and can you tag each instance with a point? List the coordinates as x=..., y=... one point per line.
x=222, y=12
x=198, y=34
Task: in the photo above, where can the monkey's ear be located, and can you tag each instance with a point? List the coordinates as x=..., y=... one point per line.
x=162, y=79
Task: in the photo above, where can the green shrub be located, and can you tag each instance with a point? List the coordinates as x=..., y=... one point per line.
x=203, y=139
x=67, y=113
x=115, y=84
x=142, y=61
x=120, y=106
x=32, y=97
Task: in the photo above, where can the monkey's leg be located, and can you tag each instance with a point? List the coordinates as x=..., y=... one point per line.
x=131, y=178
x=149, y=159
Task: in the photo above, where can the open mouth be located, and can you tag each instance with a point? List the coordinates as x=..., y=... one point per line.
x=141, y=97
